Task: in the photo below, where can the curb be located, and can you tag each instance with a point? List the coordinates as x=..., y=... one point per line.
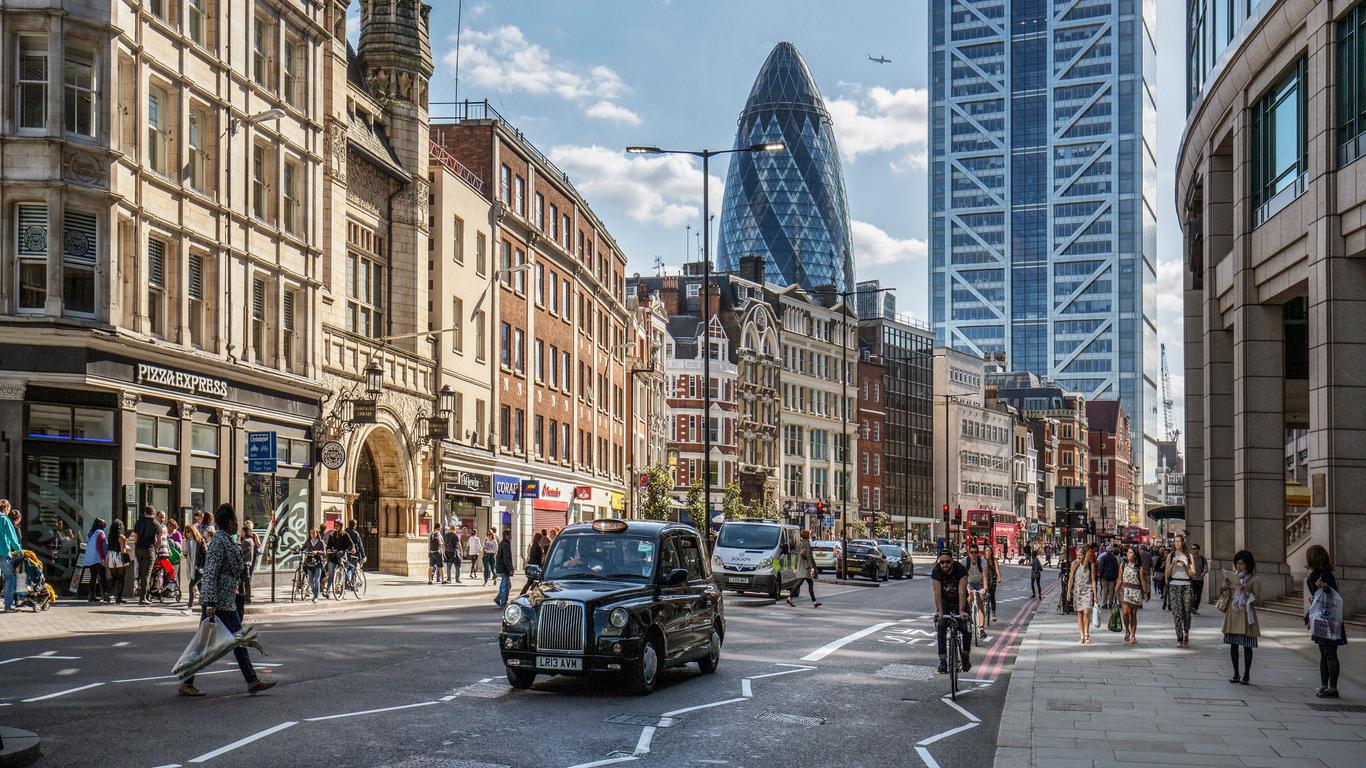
x=20, y=747
x=1015, y=736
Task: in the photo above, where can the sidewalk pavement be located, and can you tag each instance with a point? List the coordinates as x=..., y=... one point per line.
x=73, y=616
x=1108, y=704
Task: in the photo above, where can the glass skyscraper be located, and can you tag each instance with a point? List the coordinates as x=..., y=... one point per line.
x=1042, y=193
x=788, y=206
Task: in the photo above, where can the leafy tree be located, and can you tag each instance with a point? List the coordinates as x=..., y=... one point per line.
x=696, y=506
x=733, y=506
x=655, y=497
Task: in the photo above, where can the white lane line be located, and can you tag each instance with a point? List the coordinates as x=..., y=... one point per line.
x=928, y=759
x=369, y=711
x=62, y=693
x=207, y=756
x=170, y=677
x=973, y=680
x=647, y=734
x=835, y=645
x=608, y=761
x=685, y=710
x=4, y=704
x=948, y=733
x=124, y=644
x=448, y=698
x=776, y=674
x=41, y=657
x=745, y=689
x=169, y=765
x=971, y=717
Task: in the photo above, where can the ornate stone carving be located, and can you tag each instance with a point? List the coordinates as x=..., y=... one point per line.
x=186, y=410
x=239, y=420
x=11, y=390
x=129, y=400
x=336, y=150
x=84, y=168
x=367, y=188
x=413, y=207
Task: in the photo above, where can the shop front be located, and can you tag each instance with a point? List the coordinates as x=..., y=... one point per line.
x=549, y=501
x=468, y=499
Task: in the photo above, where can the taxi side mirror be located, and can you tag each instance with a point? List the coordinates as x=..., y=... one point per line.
x=674, y=578
x=533, y=572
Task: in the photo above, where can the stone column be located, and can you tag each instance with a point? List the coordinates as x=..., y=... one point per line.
x=1217, y=381
x=1259, y=444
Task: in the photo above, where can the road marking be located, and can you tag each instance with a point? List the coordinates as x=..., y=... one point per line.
x=647, y=734
x=40, y=657
x=966, y=713
x=608, y=761
x=169, y=765
x=62, y=693
x=745, y=689
x=448, y=698
x=207, y=756
x=685, y=710
x=948, y=733
x=124, y=644
x=370, y=711
x=835, y=645
x=777, y=674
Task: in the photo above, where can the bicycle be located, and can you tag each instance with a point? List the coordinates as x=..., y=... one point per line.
x=301, y=583
x=977, y=632
x=953, y=651
x=352, y=578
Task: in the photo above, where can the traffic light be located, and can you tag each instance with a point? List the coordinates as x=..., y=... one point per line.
x=820, y=507
x=957, y=515
x=946, y=514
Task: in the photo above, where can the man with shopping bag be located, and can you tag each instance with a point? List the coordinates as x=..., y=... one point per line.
x=224, y=568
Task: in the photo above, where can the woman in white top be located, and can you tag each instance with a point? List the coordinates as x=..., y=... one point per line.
x=474, y=548
x=1180, y=569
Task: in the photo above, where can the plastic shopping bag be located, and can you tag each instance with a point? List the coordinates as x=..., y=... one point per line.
x=1095, y=614
x=1325, y=615
x=211, y=642
x=1116, y=622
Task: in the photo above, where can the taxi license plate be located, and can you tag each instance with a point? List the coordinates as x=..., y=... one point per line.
x=559, y=662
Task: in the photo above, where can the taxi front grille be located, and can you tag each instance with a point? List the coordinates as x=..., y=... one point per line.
x=560, y=627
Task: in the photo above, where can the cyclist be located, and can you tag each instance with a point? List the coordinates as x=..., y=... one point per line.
x=993, y=577
x=950, y=594
x=357, y=554
x=977, y=568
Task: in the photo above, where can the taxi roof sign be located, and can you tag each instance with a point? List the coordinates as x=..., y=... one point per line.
x=609, y=525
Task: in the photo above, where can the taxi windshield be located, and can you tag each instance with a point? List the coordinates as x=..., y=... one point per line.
x=600, y=556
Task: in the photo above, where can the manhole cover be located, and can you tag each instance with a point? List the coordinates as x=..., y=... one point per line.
x=626, y=718
x=907, y=672
x=772, y=716
x=488, y=690
x=1338, y=707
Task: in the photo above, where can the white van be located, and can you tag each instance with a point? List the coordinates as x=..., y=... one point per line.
x=756, y=556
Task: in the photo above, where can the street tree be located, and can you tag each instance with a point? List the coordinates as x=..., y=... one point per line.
x=696, y=506
x=655, y=497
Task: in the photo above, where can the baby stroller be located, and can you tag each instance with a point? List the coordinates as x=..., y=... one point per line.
x=38, y=594
x=163, y=583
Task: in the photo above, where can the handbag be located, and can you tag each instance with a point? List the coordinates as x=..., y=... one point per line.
x=1095, y=614
x=1116, y=623
x=1225, y=598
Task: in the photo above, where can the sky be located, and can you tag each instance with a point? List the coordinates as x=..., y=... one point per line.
x=586, y=78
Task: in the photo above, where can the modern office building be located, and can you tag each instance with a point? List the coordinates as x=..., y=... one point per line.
x=1042, y=210
x=789, y=206
x=1269, y=186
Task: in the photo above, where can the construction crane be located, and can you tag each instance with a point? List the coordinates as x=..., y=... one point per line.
x=1172, y=434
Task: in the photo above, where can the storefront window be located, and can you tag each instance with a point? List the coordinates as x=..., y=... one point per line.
x=203, y=487
x=204, y=439
x=287, y=504
x=156, y=432
x=68, y=423
x=155, y=487
x=64, y=496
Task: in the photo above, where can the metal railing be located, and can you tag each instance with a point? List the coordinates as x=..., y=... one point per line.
x=482, y=110
x=441, y=155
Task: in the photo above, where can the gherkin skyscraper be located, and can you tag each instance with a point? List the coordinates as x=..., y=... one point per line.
x=788, y=207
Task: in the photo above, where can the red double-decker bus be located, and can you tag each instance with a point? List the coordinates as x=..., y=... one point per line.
x=988, y=527
x=1134, y=534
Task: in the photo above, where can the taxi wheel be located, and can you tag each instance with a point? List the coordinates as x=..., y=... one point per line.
x=520, y=678
x=712, y=660
x=645, y=675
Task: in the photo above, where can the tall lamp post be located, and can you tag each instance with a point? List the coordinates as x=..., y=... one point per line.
x=705, y=312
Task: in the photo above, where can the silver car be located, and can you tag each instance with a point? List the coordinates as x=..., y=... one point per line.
x=826, y=555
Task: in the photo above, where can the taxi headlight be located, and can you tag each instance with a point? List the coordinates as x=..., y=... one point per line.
x=513, y=614
x=619, y=617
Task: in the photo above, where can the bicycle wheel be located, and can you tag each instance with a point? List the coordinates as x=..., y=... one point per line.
x=955, y=658
x=339, y=584
x=358, y=584
x=296, y=589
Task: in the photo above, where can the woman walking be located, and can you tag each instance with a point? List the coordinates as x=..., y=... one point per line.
x=806, y=569
x=436, y=549
x=1133, y=592
x=1321, y=577
x=195, y=551
x=1243, y=594
x=1180, y=571
x=223, y=570
x=314, y=552
x=490, y=553
x=116, y=560
x=535, y=555
x=96, y=551
x=1082, y=582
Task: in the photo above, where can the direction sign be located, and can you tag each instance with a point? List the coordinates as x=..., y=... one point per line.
x=261, y=453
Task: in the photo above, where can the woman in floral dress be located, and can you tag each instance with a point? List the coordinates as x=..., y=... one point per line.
x=1083, y=585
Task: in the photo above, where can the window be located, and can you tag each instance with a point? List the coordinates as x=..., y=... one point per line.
x=519, y=196
x=293, y=183
x=519, y=278
x=296, y=91
x=31, y=247
x=566, y=373
x=262, y=41
x=505, y=263
x=539, y=362
x=158, y=129
x=1351, y=85
x=540, y=284
x=538, y=436
x=364, y=283
x=505, y=345
x=479, y=333
x=519, y=430
x=792, y=480
x=197, y=21
x=519, y=350
x=154, y=432
x=458, y=240
x=792, y=440
x=554, y=293
x=80, y=238
x=539, y=213
x=568, y=301
x=505, y=427
x=457, y=324
x=204, y=439
x=481, y=258
x=505, y=184
x=258, y=320
x=31, y=82
x=79, y=77
x=554, y=222
x=199, y=167
x=288, y=322
x=195, y=292
x=568, y=235
x=262, y=170
x=156, y=287
x=1278, y=147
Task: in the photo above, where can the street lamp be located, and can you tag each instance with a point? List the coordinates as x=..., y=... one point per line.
x=445, y=401
x=374, y=379
x=705, y=313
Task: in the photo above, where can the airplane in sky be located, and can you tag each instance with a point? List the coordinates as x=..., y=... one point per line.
x=879, y=59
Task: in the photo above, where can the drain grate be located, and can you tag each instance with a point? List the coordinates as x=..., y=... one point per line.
x=907, y=672
x=626, y=718
x=489, y=690
x=1338, y=707
x=786, y=718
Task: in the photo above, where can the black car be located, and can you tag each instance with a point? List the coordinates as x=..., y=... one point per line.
x=899, y=565
x=866, y=560
x=616, y=597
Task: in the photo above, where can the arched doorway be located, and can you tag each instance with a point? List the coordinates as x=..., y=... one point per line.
x=365, y=509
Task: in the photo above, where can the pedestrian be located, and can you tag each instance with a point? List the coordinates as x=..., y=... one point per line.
x=535, y=555
x=145, y=532
x=490, y=553
x=950, y=584
x=1133, y=592
x=223, y=570
x=96, y=547
x=1180, y=570
x=1107, y=573
x=117, y=559
x=503, y=567
x=1160, y=574
x=356, y=557
x=1239, y=597
x=993, y=578
x=1198, y=578
x=250, y=543
x=1145, y=560
x=1035, y=575
x=195, y=551
x=806, y=571
x=314, y=550
x=451, y=554
x=1321, y=577
x=10, y=548
x=474, y=549
x=1082, y=581
x=436, y=551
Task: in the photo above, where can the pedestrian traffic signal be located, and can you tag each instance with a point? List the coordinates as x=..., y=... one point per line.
x=820, y=506
x=946, y=514
x=957, y=515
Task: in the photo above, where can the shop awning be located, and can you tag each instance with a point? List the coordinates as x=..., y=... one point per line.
x=1174, y=512
x=549, y=505
x=1296, y=494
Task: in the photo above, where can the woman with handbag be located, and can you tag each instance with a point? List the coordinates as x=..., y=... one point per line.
x=1239, y=603
x=1083, y=585
x=1327, y=638
x=1180, y=571
x=1133, y=592
x=116, y=560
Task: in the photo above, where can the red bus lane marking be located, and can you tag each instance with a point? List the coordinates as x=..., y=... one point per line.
x=994, y=660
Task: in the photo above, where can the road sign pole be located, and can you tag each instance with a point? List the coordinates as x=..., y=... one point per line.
x=274, y=537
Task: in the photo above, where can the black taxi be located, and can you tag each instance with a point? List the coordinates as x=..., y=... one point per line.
x=625, y=598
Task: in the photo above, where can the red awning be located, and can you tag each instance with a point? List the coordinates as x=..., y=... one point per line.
x=550, y=506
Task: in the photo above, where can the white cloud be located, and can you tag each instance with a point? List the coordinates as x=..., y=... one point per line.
x=606, y=110
x=875, y=248
x=880, y=120
x=478, y=9
x=505, y=59
x=662, y=189
x=353, y=25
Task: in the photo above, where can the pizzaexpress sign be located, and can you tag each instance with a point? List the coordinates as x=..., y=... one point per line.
x=186, y=382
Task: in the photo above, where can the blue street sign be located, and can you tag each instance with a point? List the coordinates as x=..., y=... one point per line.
x=261, y=453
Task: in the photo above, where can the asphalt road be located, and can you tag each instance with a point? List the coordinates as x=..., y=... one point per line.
x=851, y=683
